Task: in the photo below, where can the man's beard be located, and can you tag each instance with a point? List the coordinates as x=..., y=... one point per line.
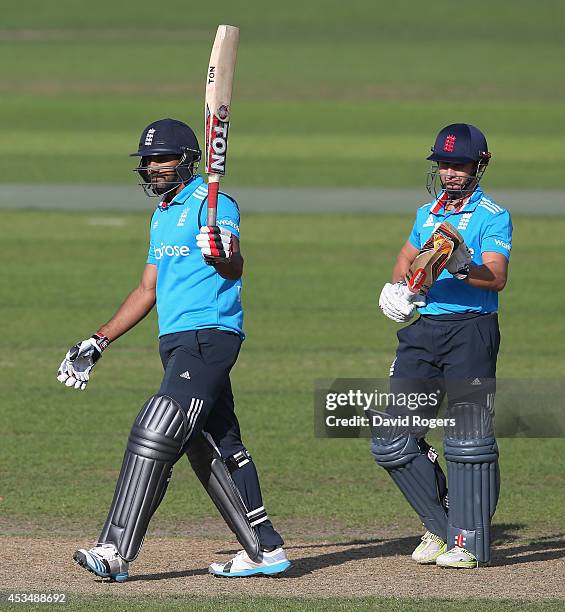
x=162, y=187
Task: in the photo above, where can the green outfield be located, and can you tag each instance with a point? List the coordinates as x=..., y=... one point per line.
x=311, y=313
x=271, y=604
x=326, y=96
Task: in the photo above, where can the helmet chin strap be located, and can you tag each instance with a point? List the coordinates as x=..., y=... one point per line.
x=461, y=192
x=434, y=181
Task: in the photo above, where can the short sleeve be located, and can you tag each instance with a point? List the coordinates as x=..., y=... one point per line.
x=227, y=215
x=150, y=256
x=414, y=237
x=151, y=259
x=497, y=234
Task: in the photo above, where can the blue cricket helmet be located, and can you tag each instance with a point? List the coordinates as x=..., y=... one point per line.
x=168, y=137
x=460, y=143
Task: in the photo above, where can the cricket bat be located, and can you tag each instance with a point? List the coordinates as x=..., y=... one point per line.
x=217, y=110
x=433, y=258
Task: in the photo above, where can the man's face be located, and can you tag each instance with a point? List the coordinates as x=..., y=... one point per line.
x=162, y=172
x=455, y=176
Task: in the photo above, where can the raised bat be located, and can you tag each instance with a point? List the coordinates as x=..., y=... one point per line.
x=219, y=81
x=433, y=258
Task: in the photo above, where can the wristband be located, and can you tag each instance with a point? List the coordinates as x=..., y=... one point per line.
x=101, y=340
x=463, y=272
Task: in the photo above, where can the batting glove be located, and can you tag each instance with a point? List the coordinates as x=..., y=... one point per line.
x=460, y=262
x=398, y=303
x=77, y=365
x=216, y=244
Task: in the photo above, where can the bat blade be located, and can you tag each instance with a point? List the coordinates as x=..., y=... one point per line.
x=432, y=258
x=217, y=111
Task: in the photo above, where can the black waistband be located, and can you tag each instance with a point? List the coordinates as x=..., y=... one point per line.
x=457, y=316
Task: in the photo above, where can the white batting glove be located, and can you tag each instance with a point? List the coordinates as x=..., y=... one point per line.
x=398, y=303
x=77, y=365
x=216, y=244
x=460, y=262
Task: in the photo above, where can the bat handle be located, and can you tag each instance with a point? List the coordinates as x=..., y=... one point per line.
x=213, y=186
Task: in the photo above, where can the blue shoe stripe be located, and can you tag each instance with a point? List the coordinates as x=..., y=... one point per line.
x=96, y=566
x=275, y=568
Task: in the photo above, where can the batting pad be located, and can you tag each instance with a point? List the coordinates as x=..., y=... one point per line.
x=415, y=471
x=154, y=445
x=474, y=479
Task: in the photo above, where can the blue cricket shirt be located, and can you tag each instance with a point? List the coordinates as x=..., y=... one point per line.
x=485, y=226
x=191, y=294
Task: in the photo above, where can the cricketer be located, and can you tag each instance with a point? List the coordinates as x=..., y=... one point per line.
x=193, y=274
x=454, y=342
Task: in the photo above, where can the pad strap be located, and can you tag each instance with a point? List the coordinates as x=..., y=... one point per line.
x=237, y=461
x=215, y=477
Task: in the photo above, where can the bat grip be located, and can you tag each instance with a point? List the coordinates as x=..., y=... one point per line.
x=213, y=186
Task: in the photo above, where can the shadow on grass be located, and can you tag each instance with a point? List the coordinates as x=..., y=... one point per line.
x=169, y=575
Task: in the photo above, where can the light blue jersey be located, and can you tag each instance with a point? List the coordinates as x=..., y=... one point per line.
x=191, y=294
x=485, y=226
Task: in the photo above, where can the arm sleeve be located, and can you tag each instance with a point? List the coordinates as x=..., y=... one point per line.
x=414, y=237
x=227, y=214
x=497, y=235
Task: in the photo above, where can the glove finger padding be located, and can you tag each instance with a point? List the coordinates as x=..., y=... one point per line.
x=416, y=299
x=400, y=299
x=63, y=371
x=394, y=305
x=216, y=243
x=75, y=369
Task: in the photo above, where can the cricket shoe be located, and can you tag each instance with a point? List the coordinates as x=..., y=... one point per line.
x=272, y=562
x=104, y=561
x=429, y=549
x=457, y=557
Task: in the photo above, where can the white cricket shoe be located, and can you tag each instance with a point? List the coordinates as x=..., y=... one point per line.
x=429, y=549
x=273, y=562
x=457, y=557
x=104, y=561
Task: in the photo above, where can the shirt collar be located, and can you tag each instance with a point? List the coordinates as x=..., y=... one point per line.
x=183, y=196
x=469, y=206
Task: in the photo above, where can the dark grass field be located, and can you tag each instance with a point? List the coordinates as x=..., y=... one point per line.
x=326, y=94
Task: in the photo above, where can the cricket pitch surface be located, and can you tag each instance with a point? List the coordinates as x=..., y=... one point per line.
x=523, y=567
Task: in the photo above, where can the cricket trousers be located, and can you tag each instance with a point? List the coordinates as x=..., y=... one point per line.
x=448, y=346
x=456, y=353
x=197, y=368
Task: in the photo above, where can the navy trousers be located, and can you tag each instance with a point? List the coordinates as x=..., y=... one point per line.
x=456, y=353
x=197, y=368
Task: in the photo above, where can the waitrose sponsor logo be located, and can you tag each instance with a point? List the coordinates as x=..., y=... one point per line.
x=170, y=250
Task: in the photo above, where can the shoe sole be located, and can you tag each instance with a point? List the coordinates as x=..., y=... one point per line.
x=459, y=565
x=426, y=561
x=269, y=570
x=81, y=559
